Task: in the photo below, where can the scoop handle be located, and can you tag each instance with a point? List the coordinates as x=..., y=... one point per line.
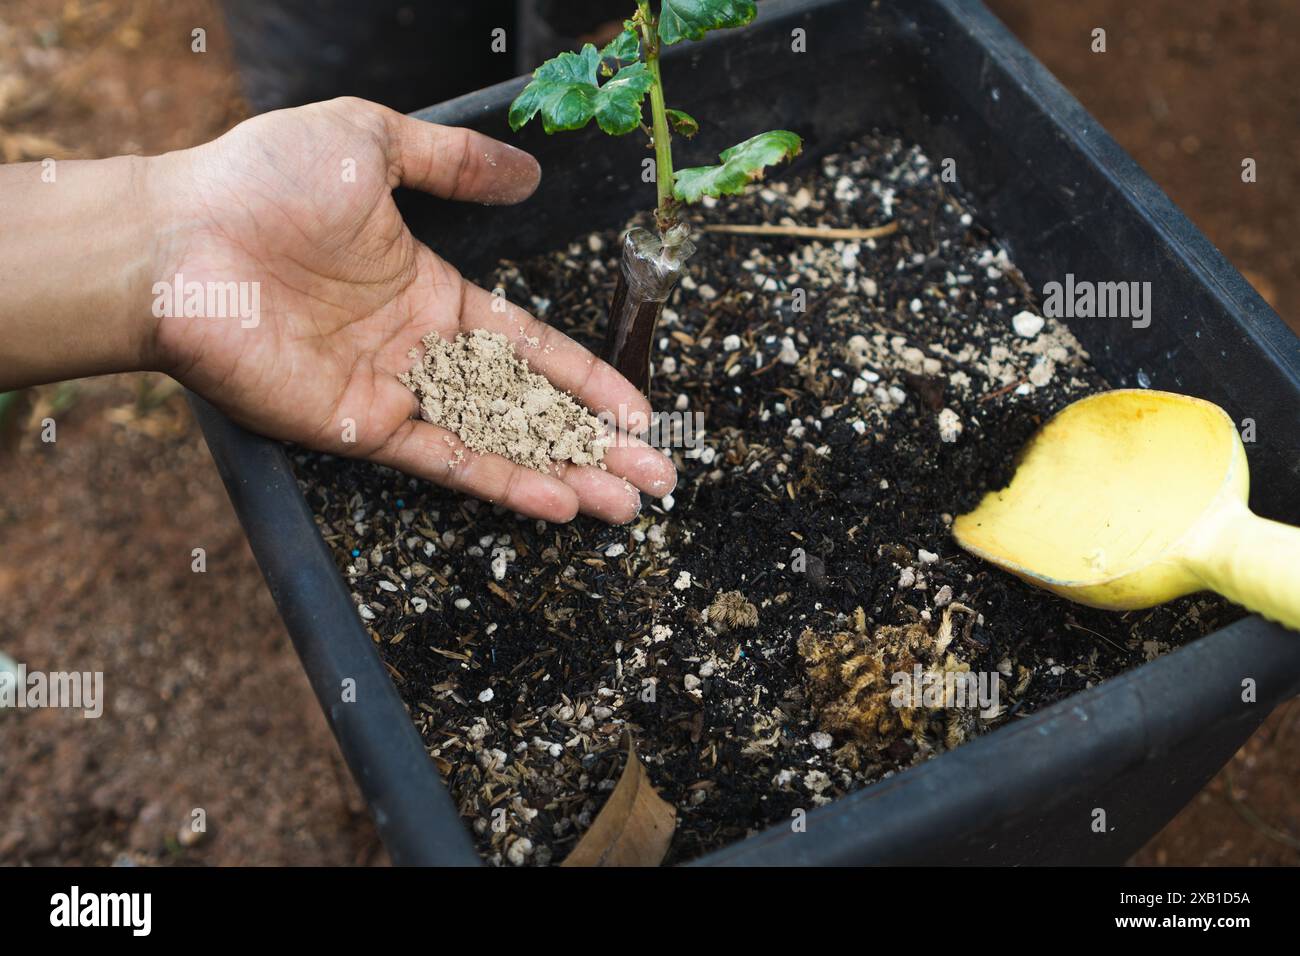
x=1255, y=562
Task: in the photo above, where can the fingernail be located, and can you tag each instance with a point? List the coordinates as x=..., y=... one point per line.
x=517, y=174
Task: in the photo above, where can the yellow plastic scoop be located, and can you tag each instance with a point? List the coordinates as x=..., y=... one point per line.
x=1130, y=498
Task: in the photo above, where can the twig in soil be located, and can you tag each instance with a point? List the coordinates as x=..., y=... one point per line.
x=806, y=232
x=1024, y=698
x=1079, y=627
x=1252, y=818
x=1018, y=280
x=1003, y=390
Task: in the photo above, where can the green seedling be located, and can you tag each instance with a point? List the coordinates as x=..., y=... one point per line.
x=610, y=86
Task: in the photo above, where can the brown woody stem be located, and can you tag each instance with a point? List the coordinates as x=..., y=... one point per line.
x=650, y=267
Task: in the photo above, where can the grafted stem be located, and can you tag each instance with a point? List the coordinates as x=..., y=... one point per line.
x=650, y=267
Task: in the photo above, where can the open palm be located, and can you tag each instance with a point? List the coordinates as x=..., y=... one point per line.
x=299, y=202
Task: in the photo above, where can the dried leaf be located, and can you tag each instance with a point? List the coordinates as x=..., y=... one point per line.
x=944, y=636
x=634, y=827
x=502, y=593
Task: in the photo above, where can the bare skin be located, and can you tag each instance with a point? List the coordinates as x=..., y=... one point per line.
x=345, y=292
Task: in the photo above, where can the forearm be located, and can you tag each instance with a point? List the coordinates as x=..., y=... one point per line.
x=77, y=259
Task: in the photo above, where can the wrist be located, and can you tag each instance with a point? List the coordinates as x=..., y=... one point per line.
x=160, y=181
x=77, y=260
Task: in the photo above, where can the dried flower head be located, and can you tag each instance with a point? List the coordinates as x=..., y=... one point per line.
x=851, y=684
x=730, y=610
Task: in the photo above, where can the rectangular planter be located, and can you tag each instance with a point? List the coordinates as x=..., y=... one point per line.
x=1063, y=198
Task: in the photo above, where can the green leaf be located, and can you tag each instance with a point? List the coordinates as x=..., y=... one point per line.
x=618, y=102
x=568, y=94
x=561, y=90
x=741, y=164
x=683, y=123
x=691, y=19
x=625, y=47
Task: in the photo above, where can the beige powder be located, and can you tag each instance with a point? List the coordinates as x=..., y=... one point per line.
x=476, y=386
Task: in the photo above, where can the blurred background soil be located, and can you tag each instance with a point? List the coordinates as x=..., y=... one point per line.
x=207, y=706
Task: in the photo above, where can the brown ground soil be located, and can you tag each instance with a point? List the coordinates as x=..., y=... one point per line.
x=208, y=706
x=205, y=703
x=1191, y=89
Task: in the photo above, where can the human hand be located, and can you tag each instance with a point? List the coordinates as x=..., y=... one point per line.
x=344, y=291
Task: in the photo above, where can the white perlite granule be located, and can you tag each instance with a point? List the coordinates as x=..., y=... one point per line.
x=476, y=386
x=950, y=427
x=1027, y=324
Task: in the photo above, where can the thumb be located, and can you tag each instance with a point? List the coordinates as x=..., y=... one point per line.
x=457, y=163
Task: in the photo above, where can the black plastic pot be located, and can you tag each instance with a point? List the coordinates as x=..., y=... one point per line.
x=401, y=53
x=1064, y=198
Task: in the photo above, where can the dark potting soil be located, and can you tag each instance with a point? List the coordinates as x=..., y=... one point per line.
x=854, y=396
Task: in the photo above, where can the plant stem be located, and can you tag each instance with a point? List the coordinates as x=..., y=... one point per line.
x=663, y=143
x=650, y=265
x=665, y=213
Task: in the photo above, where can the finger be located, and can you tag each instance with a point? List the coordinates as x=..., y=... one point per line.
x=427, y=451
x=643, y=465
x=601, y=494
x=550, y=352
x=457, y=163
